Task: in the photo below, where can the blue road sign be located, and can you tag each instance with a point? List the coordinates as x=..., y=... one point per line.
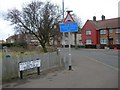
x=8, y=56
x=70, y=27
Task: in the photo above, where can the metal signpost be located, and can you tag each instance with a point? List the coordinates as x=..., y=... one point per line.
x=69, y=26
x=63, y=40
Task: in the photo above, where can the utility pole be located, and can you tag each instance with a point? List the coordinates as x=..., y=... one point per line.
x=63, y=37
x=63, y=21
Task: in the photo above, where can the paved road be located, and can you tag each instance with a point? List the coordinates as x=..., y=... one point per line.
x=87, y=73
x=0, y=70
x=108, y=57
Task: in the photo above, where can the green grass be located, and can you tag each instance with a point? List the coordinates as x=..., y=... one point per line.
x=13, y=52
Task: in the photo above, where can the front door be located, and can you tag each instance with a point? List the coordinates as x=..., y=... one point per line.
x=111, y=41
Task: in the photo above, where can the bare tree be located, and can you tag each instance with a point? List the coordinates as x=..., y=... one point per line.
x=36, y=19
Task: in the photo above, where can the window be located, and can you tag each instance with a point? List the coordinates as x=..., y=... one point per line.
x=88, y=41
x=80, y=43
x=55, y=27
x=102, y=31
x=117, y=30
x=66, y=42
x=117, y=40
x=88, y=32
x=110, y=31
x=102, y=41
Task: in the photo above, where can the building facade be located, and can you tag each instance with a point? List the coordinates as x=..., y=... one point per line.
x=101, y=33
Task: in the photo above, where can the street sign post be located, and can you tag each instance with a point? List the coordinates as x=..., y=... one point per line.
x=69, y=26
x=29, y=65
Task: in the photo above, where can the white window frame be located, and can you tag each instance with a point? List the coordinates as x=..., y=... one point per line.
x=80, y=43
x=117, y=40
x=102, y=31
x=110, y=31
x=55, y=26
x=88, y=32
x=66, y=42
x=88, y=41
x=117, y=31
x=103, y=41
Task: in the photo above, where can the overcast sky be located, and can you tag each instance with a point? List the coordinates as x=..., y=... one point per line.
x=85, y=9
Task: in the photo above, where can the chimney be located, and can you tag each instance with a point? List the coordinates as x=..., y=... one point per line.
x=103, y=17
x=94, y=18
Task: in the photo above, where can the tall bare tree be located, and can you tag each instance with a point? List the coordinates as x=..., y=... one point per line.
x=36, y=19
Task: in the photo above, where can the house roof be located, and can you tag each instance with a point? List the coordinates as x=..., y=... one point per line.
x=108, y=23
x=2, y=41
x=11, y=37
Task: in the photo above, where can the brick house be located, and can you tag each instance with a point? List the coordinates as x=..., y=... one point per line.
x=2, y=41
x=26, y=39
x=101, y=33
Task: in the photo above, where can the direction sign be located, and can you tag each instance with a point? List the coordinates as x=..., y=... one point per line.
x=70, y=27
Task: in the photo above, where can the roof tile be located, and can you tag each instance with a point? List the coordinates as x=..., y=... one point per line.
x=108, y=23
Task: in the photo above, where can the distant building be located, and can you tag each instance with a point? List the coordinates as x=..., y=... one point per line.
x=55, y=38
x=12, y=39
x=101, y=33
x=29, y=40
x=2, y=41
x=58, y=39
x=72, y=38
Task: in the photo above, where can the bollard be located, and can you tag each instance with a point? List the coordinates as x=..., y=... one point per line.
x=70, y=67
x=38, y=70
x=21, y=74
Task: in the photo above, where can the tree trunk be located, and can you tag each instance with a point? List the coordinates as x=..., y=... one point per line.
x=44, y=49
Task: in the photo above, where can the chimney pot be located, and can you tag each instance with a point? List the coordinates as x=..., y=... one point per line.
x=94, y=18
x=103, y=17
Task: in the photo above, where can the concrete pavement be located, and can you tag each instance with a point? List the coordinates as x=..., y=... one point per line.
x=86, y=73
x=0, y=70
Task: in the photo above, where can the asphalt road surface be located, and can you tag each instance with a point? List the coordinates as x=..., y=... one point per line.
x=0, y=70
x=108, y=57
x=90, y=69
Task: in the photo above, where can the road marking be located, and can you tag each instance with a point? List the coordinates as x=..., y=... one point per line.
x=102, y=63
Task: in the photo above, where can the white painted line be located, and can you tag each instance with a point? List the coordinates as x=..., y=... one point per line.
x=102, y=63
